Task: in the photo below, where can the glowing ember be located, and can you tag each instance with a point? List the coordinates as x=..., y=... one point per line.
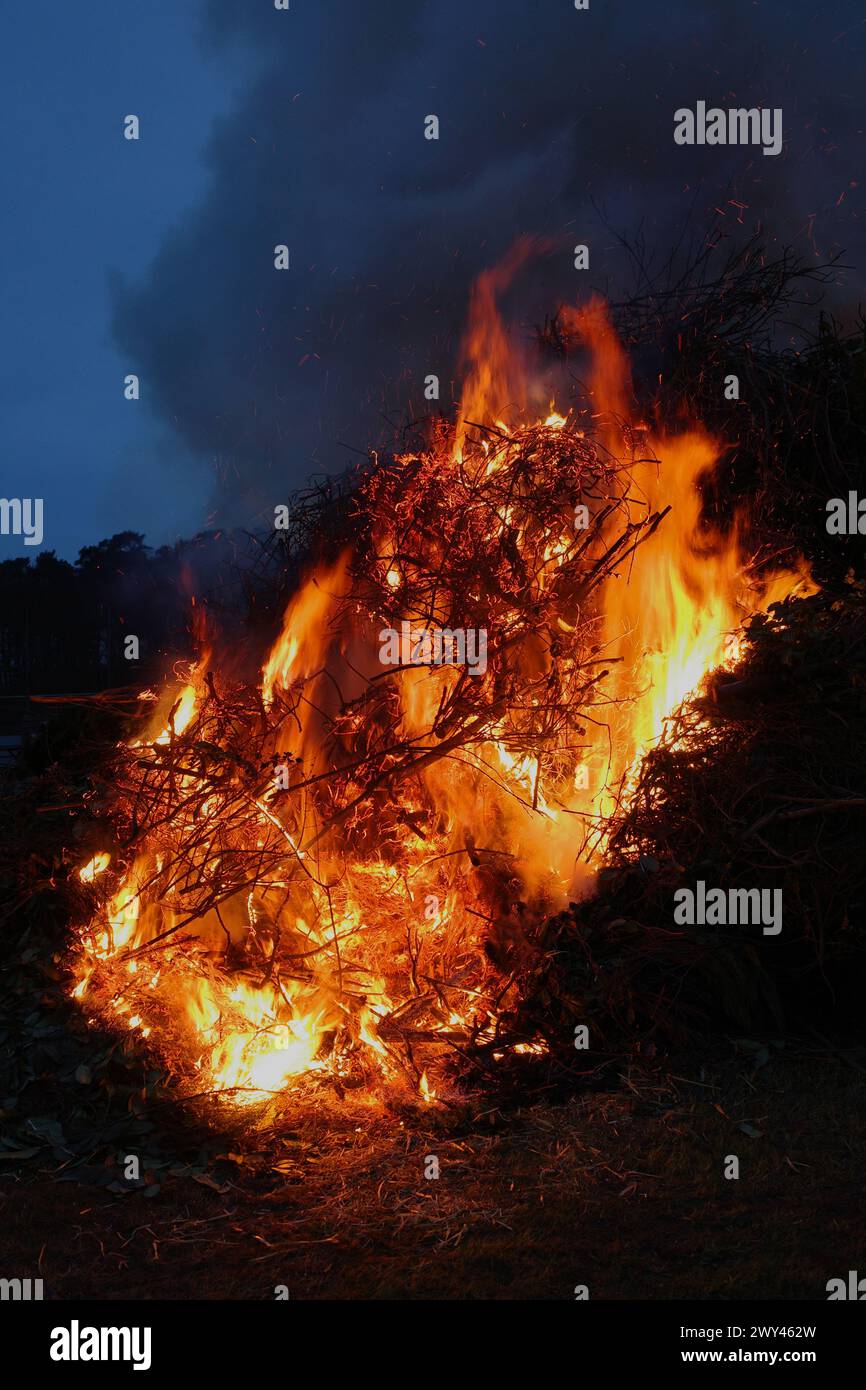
x=97, y=865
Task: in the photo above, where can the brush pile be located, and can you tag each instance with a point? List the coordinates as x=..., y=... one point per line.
x=323, y=873
x=348, y=868
x=760, y=782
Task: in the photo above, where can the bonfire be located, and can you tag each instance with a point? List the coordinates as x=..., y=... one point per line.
x=335, y=876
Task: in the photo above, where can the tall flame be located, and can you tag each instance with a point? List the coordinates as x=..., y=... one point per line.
x=674, y=616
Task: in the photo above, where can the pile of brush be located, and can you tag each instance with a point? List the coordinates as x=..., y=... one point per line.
x=759, y=784
x=293, y=830
x=486, y=543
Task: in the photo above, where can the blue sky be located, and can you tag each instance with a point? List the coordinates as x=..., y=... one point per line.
x=259, y=127
x=80, y=205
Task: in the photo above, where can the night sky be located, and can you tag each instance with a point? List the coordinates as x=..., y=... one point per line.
x=305, y=127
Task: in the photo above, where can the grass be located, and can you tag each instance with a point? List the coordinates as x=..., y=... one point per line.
x=622, y=1191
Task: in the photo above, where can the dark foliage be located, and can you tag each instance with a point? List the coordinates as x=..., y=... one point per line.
x=760, y=784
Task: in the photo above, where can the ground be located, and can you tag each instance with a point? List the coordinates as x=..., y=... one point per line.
x=621, y=1190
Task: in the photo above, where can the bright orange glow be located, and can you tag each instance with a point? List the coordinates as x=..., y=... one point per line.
x=176, y=708
x=343, y=949
x=302, y=645
x=95, y=866
x=677, y=612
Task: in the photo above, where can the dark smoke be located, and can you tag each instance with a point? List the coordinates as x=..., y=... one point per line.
x=554, y=122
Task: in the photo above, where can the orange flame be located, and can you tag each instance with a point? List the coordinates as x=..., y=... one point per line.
x=302, y=645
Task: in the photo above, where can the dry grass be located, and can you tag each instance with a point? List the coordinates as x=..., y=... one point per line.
x=621, y=1191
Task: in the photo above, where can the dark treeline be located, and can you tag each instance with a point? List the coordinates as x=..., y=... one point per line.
x=64, y=626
